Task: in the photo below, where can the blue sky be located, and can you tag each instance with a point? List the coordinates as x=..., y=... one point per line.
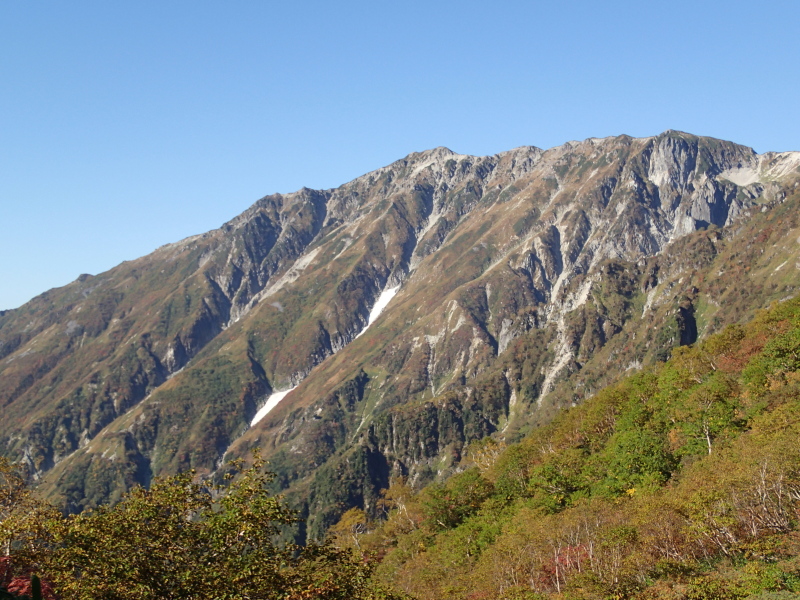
x=124, y=126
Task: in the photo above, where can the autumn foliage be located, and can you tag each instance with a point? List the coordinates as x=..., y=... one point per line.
x=681, y=481
x=180, y=539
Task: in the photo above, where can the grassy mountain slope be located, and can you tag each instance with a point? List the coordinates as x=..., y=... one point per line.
x=525, y=277
x=681, y=481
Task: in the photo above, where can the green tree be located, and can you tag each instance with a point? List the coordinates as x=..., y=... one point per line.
x=25, y=524
x=707, y=413
x=554, y=482
x=634, y=458
x=446, y=506
x=349, y=530
x=777, y=363
x=184, y=540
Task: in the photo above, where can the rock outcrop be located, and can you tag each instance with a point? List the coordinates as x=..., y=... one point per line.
x=526, y=279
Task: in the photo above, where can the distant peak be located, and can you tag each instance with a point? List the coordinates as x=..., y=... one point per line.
x=676, y=133
x=438, y=152
x=520, y=150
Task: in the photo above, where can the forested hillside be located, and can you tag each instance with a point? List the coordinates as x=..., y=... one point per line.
x=525, y=282
x=680, y=481
x=180, y=540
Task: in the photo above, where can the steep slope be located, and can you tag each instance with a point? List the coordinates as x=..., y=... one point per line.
x=522, y=277
x=681, y=481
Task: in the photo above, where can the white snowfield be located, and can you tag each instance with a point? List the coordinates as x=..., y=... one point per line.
x=383, y=300
x=271, y=403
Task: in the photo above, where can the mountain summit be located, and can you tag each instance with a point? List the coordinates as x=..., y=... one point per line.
x=375, y=329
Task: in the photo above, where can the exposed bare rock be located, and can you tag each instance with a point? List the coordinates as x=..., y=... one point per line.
x=529, y=275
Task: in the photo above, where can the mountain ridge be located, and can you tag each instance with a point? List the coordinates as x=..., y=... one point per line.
x=517, y=270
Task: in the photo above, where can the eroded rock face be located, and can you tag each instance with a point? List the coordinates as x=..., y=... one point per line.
x=523, y=277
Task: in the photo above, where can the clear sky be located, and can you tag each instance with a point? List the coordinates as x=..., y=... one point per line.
x=127, y=125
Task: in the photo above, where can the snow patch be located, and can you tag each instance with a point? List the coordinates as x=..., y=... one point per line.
x=383, y=300
x=433, y=340
x=635, y=364
x=512, y=402
x=271, y=403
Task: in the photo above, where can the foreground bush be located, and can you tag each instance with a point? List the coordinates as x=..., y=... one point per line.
x=180, y=539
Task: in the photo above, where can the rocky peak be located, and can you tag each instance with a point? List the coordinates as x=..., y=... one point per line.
x=515, y=270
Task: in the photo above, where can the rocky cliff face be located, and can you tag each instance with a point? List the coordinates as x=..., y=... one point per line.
x=527, y=279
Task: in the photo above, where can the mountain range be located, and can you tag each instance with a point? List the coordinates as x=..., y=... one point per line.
x=375, y=330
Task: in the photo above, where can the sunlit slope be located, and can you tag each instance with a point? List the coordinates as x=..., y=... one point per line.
x=527, y=279
x=679, y=481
